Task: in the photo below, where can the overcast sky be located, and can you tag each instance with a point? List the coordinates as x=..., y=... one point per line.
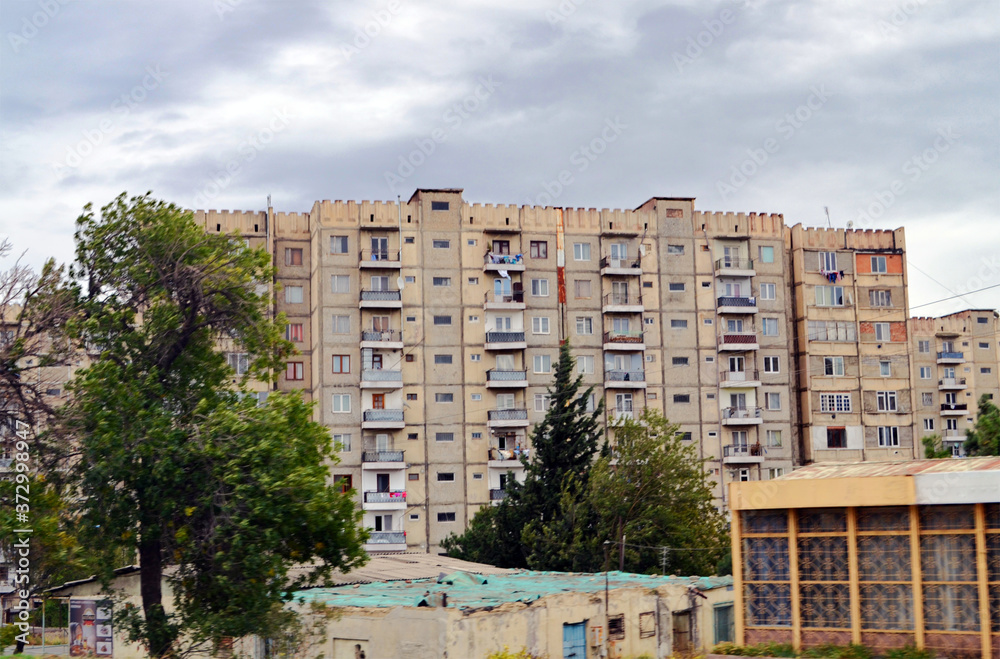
x=884, y=111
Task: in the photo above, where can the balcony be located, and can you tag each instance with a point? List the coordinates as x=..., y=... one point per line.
x=505, y=341
x=496, y=379
x=392, y=500
x=950, y=357
x=631, y=341
x=736, y=305
x=382, y=419
x=381, y=259
x=954, y=435
x=386, y=541
x=742, y=454
x=512, y=301
x=954, y=409
x=952, y=383
x=619, y=414
x=741, y=416
x=382, y=339
x=381, y=300
x=509, y=418
x=622, y=303
x=503, y=263
x=610, y=266
x=497, y=494
x=614, y=379
x=739, y=379
x=382, y=460
x=734, y=267
x=738, y=341
x=381, y=379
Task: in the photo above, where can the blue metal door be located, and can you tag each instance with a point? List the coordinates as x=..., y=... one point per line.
x=575, y=641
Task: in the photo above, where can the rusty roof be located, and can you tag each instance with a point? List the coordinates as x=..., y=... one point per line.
x=903, y=468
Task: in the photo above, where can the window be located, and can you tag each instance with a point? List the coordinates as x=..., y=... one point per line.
x=538, y=249
x=341, y=324
x=441, y=244
x=293, y=332
x=585, y=364
x=675, y=286
x=341, y=403
x=540, y=325
x=888, y=436
x=473, y=281
x=409, y=279
x=675, y=249
x=445, y=517
x=473, y=319
x=836, y=438
x=581, y=288
x=343, y=483
x=542, y=363
x=677, y=323
x=925, y=372
x=293, y=371
x=505, y=401
x=770, y=327
x=831, y=330
x=771, y=365
x=338, y=244
x=766, y=254
x=886, y=401
x=340, y=284
x=341, y=363
x=471, y=242
x=772, y=401
x=584, y=325
x=411, y=396
x=744, y=475
x=413, y=477
x=475, y=397
x=829, y=296
x=878, y=264
x=591, y=403
x=342, y=441
x=835, y=403
x=444, y=437
x=927, y=399
x=444, y=398
x=542, y=402
x=885, y=369
x=475, y=357
x=441, y=281
x=293, y=294
x=982, y=320
x=441, y=206
x=923, y=346
x=768, y=291
x=581, y=251
x=928, y=424
x=984, y=345
x=446, y=476
x=773, y=438
x=409, y=240
x=679, y=361
x=882, y=331
x=477, y=435
x=647, y=284
x=649, y=320
x=879, y=298
x=985, y=370
x=410, y=358
x=540, y=287
x=616, y=627
x=239, y=362
x=828, y=262
x=442, y=359
x=682, y=398
x=293, y=256
x=442, y=320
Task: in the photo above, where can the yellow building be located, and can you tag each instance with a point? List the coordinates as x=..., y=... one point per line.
x=884, y=554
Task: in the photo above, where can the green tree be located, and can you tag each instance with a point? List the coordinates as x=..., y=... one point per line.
x=167, y=456
x=984, y=438
x=934, y=448
x=655, y=491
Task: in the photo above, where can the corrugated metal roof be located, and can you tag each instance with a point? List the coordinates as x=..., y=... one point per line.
x=405, y=565
x=907, y=468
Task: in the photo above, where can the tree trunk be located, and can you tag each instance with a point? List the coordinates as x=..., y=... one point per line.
x=158, y=632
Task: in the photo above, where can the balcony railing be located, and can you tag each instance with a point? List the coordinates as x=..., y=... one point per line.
x=497, y=494
x=394, y=496
x=623, y=337
x=739, y=376
x=378, y=255
x=741, y=413
x=383, y=415
x=381, y=335
x=507, y=415
x=504, y=337
x=514, y=297
x=954, y=435
x=608, y=262
x=503, y=259
x=622, y=299
x=382, y=456
x=621, y=413
x=380, y=296
x=735, y=301
x=739, y=337
x=624, y=376
x=493, y=375
x=734, y=264
x=954, y=407
x=951, y=382
x=387, y=537
x=381, y=375
x=951, y=355
x=742, y=450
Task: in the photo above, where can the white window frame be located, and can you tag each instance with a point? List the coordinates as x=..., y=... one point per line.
x=768, y=291
x=585, y=364
x=885, y=368
x=581, y=251
x=339, y=241
x=925, y=372
x=338, y=401
x=834, y=402
x=883, y=331
x=769, y=327
x=295, y=298
x=540, y=325
x=829, y=296
x=888, y=436
x=340, y=284
x=772, y=400
x=542, y=402
x=886, y=401
x=539, y=288
x=584, y=325
x=835, y=364
x=772, y=360
x=541, y=364
x=344, y=439
x=879, y=264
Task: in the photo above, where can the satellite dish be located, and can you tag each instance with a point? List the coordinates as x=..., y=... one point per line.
x=400, y=282
x=850, y=224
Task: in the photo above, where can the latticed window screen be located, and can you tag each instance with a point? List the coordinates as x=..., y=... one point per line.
x=824, y=593
x=766, y=569
x=993, y=562
x=885, y=573
x=895, y=518
x=948, y=566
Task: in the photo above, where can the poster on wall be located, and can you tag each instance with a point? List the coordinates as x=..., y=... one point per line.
x=90, y=628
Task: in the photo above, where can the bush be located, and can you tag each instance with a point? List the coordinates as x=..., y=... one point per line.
x=759, y=650
x=830, y=651
x=520, y=654
x=909, y=652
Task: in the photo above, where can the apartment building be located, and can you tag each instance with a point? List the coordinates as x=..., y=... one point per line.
x=956, y=361
x=852, y=352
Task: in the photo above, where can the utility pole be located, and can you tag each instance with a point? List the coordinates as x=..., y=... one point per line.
x=663, y=561
x=621, y=555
